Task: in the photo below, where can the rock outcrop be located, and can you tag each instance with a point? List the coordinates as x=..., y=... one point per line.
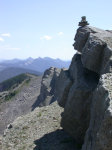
x=84, y=90
x=99, y=133
x=48, y=87
x=95, y=46
x=87, y=90
x=62, y=87
x=76, y=114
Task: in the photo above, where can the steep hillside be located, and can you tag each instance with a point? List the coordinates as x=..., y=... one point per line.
x=17, y=97
x=38, y=130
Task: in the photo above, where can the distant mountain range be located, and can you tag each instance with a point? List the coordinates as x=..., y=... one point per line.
x=11, y=68
x=38, y=64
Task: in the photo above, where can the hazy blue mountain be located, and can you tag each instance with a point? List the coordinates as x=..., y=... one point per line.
x=38, y=64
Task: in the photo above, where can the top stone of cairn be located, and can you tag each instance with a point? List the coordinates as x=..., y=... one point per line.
x=83, y=22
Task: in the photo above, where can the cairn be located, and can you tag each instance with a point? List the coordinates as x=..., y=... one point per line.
x=83, y=22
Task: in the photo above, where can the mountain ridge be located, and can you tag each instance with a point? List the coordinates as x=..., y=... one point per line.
x=12, y=71
x=19, y=98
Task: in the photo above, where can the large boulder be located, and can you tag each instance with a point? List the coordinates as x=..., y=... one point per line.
x=96, y=48
x=96, y=54
x=81, y=37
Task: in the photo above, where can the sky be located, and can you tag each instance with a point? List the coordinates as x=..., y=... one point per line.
x=46, y=28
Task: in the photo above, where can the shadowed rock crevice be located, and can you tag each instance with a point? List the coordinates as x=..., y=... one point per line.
x=91, y=78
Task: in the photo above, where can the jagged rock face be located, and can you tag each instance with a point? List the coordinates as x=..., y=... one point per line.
x=87, y=112
x=48, y=86
x=99, y=133
x=75, y=118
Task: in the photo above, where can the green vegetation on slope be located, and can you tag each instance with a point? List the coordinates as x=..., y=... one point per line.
x=13, y=82
x=10, y=95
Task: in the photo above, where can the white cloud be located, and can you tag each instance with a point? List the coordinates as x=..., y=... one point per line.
x=46, y=37
x=1, y=39
x=6, y=34
x=60, y=33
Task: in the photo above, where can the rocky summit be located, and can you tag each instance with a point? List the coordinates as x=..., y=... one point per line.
x=84, y=91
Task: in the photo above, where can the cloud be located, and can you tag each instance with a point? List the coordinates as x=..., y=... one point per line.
x=6, y=34
x=1, y=39
x=46, y=37
x=60, y=33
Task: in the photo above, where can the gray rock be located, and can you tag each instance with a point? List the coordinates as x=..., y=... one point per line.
x=96, y=48
x=96, y=54
x=48, y=91
x=87, y=107
x=81, y=37
x=76, y=115
x=62, y=87
x=9, y=126
x=83, y=34
x=81, y=76
x=99, y=133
